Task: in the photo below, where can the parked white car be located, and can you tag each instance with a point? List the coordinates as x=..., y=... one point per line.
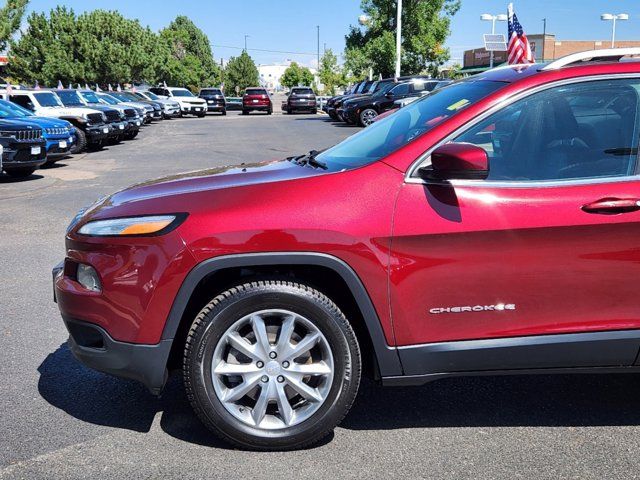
x=189, y=103
x=170, y=108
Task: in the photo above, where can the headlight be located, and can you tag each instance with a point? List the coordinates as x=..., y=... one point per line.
x=145, y=225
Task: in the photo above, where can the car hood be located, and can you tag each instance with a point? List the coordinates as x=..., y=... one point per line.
x=211, y=179
x=48, y=122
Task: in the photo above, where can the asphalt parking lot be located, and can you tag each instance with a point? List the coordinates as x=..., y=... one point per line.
x=61, y=420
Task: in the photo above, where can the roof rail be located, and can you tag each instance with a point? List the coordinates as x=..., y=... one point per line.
x=610, y=54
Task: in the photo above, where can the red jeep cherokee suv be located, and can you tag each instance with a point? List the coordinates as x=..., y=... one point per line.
x=491, y=227
x=256, y=99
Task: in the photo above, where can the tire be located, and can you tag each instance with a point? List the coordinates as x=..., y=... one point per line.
x=314, y=111
x=327, y=397
x=224, y=111
x=245, y=112
x=80, y=144
x=202, y=115
x=366, y=117
x=269, y=111
x=21, y=172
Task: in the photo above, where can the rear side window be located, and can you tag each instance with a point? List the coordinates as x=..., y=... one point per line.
x=402, y=89
x=22, y=100
x=578, y=131
x=302, y=91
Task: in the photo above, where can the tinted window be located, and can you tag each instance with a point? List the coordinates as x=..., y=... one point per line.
x=395, y=131
x=584, y=130
x=301, y=91
x=402, y=89
x=22, y=100
x=182, y=92
x=47, y=99
x=210, y=91
x=256, y=91
x=150, y=95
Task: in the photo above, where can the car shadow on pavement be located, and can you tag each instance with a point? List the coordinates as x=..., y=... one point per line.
x=9, y=179
x=104, y=400
x=501, y=401
x=498, y=401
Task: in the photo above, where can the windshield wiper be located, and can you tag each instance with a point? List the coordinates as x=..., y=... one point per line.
x=309, y=159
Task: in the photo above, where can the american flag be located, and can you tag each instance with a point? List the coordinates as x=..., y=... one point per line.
x=518, y=49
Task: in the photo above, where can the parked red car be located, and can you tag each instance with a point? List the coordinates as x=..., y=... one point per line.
x=489, y=228
x=256, y=99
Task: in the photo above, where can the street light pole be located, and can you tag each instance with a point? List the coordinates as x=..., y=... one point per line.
x=245, y=42
x=544, y=36
x=614, y=19
x=318, y=52
x=398, y=37
x=493, y=18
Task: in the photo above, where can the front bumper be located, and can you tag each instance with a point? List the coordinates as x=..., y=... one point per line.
x=117, y=129
x=93, y=347
x=193, y=109
x=59, y=147
x=18, y=155
x=349, y=115
x=171, y=112
x=97, y=133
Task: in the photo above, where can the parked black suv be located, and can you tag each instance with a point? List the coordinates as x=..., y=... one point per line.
x=301, y=99
x=215, y=100
x=363, y=110
x=334, y=102
x=24, y=148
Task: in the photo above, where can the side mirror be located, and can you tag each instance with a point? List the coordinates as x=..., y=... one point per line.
x=388, y=95
x=457, y=161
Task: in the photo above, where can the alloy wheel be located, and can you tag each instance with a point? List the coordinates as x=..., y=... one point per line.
x=272, y=369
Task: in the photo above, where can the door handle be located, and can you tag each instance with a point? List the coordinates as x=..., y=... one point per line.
x=612, y=206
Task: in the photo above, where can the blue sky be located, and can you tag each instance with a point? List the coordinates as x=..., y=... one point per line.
x=290, y=25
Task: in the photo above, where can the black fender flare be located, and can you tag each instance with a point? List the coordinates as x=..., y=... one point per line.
x=387, y=356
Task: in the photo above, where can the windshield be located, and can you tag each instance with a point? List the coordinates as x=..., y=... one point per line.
x=181, y=93
x=90, y=97
x=301, y=91
x=70, y=98
x=149, y=95
x=47, y=99
x=13, y=110
x=397, y=130
x=109, y=99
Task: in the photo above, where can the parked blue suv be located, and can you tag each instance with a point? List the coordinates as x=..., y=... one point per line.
x=58, y=134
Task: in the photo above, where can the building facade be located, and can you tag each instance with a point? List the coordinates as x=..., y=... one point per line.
x=544, y=48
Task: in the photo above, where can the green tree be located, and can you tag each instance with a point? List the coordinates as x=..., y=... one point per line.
x=10, y=18
x=47, y=50
x=329, y=72
x=190, y=61
x=295, y=75
x=240, y=72
x=425, y=27
x=115, y=49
